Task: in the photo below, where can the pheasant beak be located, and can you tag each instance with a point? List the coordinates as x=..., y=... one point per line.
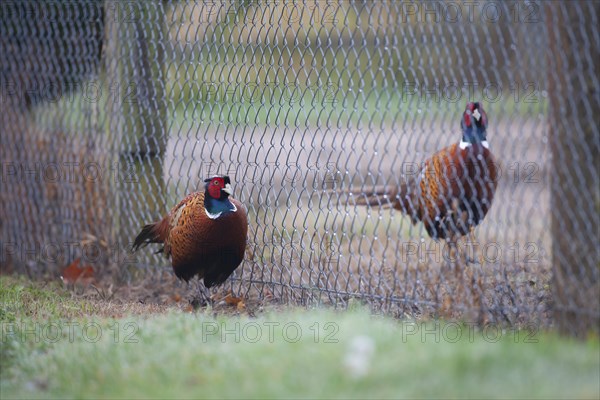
x=476, y=115
x=227, y=189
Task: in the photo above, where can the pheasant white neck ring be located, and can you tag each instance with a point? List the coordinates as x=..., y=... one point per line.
x=463, y=145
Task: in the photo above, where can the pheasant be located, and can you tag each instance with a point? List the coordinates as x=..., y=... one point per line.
x=205, y=234
x=453, y=190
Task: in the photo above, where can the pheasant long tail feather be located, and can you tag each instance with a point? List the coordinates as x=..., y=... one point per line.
x=405, y=198
x=400, y=198
x=152, y=233
x=379, y=196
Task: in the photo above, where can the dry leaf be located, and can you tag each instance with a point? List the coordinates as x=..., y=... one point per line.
x=76, y=274
x=233, y=301
x=176, y=297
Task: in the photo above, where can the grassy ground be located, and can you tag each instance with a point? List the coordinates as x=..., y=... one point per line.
x=55, y=344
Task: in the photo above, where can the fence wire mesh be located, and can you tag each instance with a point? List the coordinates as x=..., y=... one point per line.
x=112, y=111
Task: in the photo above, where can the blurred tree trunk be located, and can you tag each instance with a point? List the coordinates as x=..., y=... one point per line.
x=135, y=36
x=47, y=207
x=14, y=200
x=575, y=144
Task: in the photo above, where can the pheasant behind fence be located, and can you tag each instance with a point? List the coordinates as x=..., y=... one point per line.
x=205, y=234
x=453, y=190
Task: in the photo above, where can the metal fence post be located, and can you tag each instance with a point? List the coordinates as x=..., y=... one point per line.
x=135, y=35
x=575, y=198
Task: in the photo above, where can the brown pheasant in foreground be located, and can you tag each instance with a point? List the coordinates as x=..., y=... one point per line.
x=453, y=190
x=205, y=234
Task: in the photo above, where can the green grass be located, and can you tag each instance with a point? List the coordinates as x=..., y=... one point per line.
x=175, y=355
x=21, y=299
x=22, y=305
x=379, y=107
x=318, y=105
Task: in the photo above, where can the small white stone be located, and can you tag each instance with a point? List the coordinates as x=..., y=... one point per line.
x=359, y=355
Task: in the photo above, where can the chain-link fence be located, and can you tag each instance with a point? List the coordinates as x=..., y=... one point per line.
x=114, y=110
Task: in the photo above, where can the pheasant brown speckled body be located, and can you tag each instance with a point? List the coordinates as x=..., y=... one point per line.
x=205, y=234
x=454, y=189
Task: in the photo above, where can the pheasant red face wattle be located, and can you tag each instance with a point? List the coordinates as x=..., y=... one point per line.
x=215, y=186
